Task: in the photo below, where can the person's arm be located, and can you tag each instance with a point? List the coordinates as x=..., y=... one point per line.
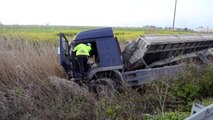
x=75, y=48
x=89, y=48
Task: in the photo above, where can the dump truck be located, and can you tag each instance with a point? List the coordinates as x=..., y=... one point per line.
x=149, y=58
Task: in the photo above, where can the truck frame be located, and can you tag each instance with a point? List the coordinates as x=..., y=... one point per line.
x=142, y=61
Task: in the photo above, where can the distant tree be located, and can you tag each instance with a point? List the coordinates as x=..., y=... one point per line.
x=186, y=29
x=1, y=23
x=167, y=28
x=149, y=27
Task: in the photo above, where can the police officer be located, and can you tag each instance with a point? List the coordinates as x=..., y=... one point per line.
x=82, y=54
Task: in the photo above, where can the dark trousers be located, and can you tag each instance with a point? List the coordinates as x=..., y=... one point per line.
x=82, y=62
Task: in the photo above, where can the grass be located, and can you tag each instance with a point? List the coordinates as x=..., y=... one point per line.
x=50, y=33
x=126, y=34
x=35, y=33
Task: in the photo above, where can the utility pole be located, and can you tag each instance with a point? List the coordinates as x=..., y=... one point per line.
x=173, y=26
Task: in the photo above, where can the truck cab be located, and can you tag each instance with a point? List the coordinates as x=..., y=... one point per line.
x=104, y=56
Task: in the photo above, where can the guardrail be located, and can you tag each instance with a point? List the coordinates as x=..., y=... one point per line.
x=200, y=112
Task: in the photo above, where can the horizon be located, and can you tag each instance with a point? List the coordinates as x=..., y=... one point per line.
x=120, y=13
x=145, y=26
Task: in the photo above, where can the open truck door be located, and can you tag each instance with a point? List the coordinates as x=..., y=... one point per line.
x=64, y=51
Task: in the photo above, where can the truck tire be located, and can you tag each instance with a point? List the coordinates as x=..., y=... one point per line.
x=103, y=86
x=114, y=75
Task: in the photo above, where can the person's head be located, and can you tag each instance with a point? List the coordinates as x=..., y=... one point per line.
x=88, y=44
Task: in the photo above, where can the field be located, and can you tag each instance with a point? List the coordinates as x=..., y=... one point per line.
x=50, y=33
x=33, y=85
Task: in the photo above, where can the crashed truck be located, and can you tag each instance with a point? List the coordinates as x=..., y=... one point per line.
x=149, y=58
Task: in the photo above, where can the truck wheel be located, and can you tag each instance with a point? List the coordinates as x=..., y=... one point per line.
x=113, y=76
x=103, y=86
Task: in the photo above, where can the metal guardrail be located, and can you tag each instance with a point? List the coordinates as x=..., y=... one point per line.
x=200, y=112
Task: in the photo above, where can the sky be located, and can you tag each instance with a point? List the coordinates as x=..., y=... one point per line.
x=123, y=13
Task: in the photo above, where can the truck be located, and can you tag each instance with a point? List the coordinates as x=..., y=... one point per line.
x=149, y=58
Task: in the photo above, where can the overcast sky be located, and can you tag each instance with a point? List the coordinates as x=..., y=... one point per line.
x=136, y=13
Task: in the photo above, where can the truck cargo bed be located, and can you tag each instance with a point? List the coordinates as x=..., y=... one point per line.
x=153, y=48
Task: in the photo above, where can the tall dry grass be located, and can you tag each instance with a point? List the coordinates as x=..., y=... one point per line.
x=28, y=60
x=28, y=88
x=32, y=86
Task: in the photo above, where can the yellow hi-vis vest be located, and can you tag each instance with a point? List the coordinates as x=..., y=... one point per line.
x=82, y=49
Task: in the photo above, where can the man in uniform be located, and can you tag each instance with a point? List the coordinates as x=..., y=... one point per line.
x=82, y=54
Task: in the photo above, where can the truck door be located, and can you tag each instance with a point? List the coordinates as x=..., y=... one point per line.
x=64, y=53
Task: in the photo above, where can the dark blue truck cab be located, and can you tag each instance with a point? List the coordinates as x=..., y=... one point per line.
x=106, y=56
x=105, y=46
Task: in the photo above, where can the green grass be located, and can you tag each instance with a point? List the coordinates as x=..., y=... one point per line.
x=124, y=34
x=37, y=33
x=50, y=33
